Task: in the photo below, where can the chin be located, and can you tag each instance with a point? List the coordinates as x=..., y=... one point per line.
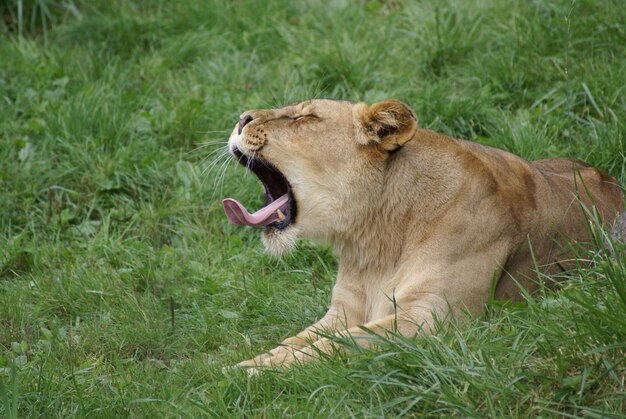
x=279, y=242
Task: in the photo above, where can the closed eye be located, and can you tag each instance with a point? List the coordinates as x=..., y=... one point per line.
x=303, y=117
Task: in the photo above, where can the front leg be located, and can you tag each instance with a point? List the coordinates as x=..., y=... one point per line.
x=408, y=324
x=329, y=324
x=347, y=309
x=423, y=288
x=417, y=303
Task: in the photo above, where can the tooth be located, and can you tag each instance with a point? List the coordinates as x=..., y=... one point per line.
x=280, y=214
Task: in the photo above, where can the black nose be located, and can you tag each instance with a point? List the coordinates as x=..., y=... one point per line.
x=243, y=122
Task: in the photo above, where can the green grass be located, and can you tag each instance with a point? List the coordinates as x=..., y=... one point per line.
x=110, y=216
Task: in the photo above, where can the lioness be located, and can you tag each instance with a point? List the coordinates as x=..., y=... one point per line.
x=423, y=224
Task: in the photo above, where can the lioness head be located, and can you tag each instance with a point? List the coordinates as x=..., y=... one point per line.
x=321, y=163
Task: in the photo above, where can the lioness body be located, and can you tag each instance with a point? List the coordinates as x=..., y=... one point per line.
x=422, y=223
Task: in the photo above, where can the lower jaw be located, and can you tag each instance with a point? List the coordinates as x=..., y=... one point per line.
x=279, y=242
x=277, y=227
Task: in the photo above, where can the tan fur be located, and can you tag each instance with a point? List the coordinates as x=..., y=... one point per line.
x=422, y=223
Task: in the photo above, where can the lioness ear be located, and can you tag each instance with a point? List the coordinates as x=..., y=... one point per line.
x=389, y=124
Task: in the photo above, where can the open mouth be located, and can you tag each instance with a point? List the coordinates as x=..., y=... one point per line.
x=280, y=206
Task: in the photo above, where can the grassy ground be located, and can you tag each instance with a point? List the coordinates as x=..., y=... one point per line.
x=123, y=289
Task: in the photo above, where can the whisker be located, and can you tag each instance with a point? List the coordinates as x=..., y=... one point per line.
x=203, y=145
x=213, y=141
x=219, y=184
x=213, y=160
x=264, y=163
x=251, y=160
x=218, y=159
x=216, y=187
x=218, y=150
x=212, y=132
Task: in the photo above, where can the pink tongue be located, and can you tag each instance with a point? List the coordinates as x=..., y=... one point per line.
x=237, y=214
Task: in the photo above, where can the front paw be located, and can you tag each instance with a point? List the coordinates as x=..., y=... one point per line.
x=257, y=361
x=285, y=356
x=248, y=366
x=279, y=357
x=290, y=351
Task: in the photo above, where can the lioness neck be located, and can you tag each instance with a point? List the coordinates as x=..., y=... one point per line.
x=410, y=194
